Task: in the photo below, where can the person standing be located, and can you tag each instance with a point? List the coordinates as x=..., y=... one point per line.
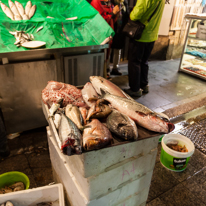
x=140, y=50
x=4, y=149
x=109, y=13
x=119, y=37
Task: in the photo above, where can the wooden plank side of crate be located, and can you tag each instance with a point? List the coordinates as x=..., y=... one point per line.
x=103, y=160
x=120, y=174
x=128, y=190
x=136, y=199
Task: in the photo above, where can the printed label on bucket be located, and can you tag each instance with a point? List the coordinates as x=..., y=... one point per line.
x=173, y=163
x=179, y=164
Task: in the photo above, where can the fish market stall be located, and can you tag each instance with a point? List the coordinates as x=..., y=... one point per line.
x=102, y=143
x=41, y=41
x=193, y=59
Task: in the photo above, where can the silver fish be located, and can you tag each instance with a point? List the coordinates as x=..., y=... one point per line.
x=32, y=11
x=17, y=17
x=7, y=11
x=14, y=8
x=75, y=115
x=88, y=92
x=28, y=7
x=122, y=126
x=39, y=29
x=25, y=17
x=70, y=136
x=96, y=136
x=20, y=8
x=19, y=185
x=100, y=83
x=142, y=115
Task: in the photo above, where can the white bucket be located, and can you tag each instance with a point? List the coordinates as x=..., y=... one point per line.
x=173, y=160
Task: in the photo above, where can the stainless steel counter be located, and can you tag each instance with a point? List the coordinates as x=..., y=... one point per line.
x=27, y=73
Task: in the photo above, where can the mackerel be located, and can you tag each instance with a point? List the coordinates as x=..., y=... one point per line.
x=142, y=115
x=70, y=136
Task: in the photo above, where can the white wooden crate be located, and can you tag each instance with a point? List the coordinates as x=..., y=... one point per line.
x=52, y=193
x=127, y=181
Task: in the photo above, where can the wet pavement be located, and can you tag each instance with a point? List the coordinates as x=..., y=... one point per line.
x=181, y=97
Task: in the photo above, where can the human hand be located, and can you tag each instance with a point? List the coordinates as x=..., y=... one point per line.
x=116, y=9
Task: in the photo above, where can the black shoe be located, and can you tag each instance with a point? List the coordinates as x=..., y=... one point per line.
x=115, y=72
x=133, y=94
x=145, y=89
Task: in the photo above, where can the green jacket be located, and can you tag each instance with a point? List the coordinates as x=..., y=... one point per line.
x=142, y=11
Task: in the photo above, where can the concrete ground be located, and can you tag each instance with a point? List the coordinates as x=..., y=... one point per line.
x=171, y=92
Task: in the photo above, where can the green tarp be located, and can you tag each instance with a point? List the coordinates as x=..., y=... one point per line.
x=88, y=29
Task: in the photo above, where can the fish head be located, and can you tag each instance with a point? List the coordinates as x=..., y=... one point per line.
x=164, y=125
x=72, y=145
x=93, y=142
x=171, y=127
x=71, y=150
x=96, y=82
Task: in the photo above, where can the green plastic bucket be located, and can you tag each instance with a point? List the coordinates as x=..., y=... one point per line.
x=173, y=160
x=9, y=178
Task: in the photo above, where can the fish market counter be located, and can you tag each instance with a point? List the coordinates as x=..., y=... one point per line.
x=119, y=174
x=24, y=74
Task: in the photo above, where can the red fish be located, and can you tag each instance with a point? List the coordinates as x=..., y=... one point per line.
x=55, y=91
x=96, y=136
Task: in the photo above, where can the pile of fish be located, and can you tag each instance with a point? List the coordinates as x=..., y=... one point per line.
x=21, y=37
x=89, y=118
x=18, y=186
x=8, y=203
x=17, y=11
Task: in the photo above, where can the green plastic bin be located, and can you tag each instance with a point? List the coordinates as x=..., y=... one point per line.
x=10, y=178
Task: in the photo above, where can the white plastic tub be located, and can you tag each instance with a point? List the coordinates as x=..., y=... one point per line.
x=31, y=197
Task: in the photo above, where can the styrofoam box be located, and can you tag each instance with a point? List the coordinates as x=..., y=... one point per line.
x=126, y=183
x=31, y=197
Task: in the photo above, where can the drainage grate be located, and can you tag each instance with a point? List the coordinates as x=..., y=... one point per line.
x=197, y=134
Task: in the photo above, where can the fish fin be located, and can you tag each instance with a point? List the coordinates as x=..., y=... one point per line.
x=60, y=101
x=103, y=92
x=141, y=113
x=85, y=127
x=91, y=99
x=122, y=125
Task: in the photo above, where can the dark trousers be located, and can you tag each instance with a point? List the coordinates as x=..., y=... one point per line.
x=139, y=53
x=3, y=134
